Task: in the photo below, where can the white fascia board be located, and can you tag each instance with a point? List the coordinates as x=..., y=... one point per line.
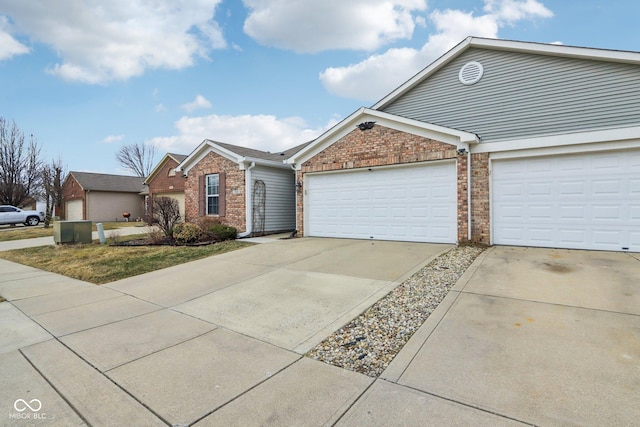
x=156, y=169
x=246, y=162
x=557, y=50
x=430, y=69
x=455, y=137
x=513, y=46
x=565, y=143
x=202, y=150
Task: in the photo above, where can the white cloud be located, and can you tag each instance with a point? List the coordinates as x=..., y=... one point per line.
x=113, y=138
x=160, y=108
x=199, y=102
x=379, y=74
x=331, y=24
x=115, y=40
x=510, y=11
x=9, y=46
x=262, y=132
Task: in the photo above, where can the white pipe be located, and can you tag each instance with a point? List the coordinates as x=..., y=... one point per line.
x=248, y=213
x=295, y=186
x=469, y=196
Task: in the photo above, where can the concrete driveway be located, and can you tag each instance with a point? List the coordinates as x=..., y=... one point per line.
x=527, y=336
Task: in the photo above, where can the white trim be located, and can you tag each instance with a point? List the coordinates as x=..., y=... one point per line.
x=550, y=151
x=566, y=149
x=455, y=137
x=305, y=200
x=208, y=146
x=625, y=137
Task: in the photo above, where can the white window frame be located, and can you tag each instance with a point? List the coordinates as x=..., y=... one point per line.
x=212, y=195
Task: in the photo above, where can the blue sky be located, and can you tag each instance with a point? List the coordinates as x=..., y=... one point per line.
x=88, y=76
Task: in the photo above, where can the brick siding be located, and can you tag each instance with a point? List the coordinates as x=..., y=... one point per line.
x=382, y=146
x=71, y=190
x=481, y=220
x=234, y=191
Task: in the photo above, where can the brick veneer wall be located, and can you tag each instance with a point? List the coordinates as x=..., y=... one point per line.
x=72, y=191
x=163, y=182
x=381, y=146
x=481, y=220
x=234, y=190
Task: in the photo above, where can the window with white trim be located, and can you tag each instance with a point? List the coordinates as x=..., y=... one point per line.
x=212, y=184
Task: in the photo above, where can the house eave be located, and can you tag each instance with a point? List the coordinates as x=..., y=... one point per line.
x=512, y=46
x=460, y=139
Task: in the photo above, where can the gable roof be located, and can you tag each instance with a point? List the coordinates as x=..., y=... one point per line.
x=178, y=158
x=460, y=139
x=90, y=181
x=512, y=46
x=240, y=155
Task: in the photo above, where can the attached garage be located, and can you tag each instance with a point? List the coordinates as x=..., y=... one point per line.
x=576, y=201
x=74, y=211
x=414, y=203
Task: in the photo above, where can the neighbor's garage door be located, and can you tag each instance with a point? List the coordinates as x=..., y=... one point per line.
x=409, y=203
x=585, y=201
x=73, y=211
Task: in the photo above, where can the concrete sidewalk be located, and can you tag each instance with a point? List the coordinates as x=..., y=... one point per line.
x=527, y=336
x=46, y=241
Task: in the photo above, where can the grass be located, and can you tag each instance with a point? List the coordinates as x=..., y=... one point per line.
x=101, y=264
x=21, y=232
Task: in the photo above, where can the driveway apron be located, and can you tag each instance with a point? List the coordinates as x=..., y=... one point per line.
x=546, y=337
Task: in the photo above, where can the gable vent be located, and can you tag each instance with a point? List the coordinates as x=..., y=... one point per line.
x=470, y=73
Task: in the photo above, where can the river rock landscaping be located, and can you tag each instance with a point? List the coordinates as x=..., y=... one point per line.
x=369, y=342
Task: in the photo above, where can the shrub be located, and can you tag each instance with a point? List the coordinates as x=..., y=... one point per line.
x=187, y=233
x=222, y=232
x=205, y=222
x=166, y=213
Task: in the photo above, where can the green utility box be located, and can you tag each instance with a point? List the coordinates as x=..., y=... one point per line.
x=72, y=231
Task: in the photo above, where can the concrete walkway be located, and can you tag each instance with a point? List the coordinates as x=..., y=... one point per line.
x=528, y=336
x=46, y=241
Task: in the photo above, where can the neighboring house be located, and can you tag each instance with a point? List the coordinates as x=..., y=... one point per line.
x=165, y=181
x=251, y=190
x=102, y=197
x=554, y=137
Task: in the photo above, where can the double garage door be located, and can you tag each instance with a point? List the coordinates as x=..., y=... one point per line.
x=409, y=203
x=581, y=201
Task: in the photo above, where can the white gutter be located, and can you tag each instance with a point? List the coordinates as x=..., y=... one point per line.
x=247, y=200
x=295, y=184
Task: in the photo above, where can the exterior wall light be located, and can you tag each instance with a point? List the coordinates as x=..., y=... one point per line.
x=366, y=125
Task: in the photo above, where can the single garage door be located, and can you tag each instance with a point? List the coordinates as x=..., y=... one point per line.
x=584, y=201
x=73, y=210
x=410, y=203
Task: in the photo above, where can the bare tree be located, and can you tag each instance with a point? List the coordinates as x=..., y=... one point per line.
x=20, y=166
x=166, y=212
x=52, y=188
x=137, y=158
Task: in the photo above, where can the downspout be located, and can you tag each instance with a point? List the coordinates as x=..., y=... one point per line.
x=248, y=212
x=469, y=195
x=295, y=185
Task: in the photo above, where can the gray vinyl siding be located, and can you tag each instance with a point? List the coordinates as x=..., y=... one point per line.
x=524, y=95
x=280, y=209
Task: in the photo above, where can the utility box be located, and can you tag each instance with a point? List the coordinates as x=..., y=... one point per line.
x=72, y=231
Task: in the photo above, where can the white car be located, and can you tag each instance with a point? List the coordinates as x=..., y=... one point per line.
x=12, y=215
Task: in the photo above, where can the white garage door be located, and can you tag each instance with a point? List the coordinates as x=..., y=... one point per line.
x=409, y=203
x=74, y=210
x=585, y=201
